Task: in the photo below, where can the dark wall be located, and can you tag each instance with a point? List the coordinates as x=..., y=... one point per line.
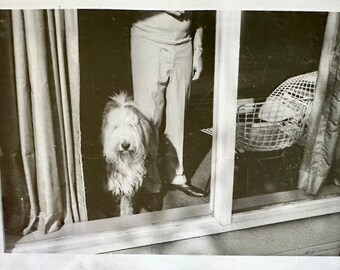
x=276, y=46
x=104, y=66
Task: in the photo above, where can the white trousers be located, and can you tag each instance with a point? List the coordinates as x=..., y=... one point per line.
x=162, y=76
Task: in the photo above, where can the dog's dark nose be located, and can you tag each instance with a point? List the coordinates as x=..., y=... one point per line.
x=125, y=145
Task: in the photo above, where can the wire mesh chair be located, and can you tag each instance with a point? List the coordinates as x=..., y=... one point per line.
x=275, y=124
x=278, y=122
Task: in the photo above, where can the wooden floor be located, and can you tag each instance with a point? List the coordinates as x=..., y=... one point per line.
x=319, y=236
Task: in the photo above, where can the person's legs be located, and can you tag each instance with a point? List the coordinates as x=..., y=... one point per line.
x=177, y=97
x=150, y=77
x=158, y=69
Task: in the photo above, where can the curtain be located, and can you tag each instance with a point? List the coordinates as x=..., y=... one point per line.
x=336, y=163
x=324, y=124
x=46, y=75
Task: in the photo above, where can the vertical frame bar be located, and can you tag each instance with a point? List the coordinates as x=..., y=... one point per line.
x=228, y=28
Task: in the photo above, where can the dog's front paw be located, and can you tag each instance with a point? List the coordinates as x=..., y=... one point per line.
x=126, y=206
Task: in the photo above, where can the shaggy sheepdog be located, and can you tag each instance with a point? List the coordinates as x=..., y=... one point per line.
x=125, y=138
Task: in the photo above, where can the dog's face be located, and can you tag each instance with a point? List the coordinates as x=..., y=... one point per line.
x=125, y=132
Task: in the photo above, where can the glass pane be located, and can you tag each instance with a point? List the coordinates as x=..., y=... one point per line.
x=105, y=61
x=279, y=60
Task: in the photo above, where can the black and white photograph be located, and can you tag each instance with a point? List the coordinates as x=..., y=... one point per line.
x=183, y=131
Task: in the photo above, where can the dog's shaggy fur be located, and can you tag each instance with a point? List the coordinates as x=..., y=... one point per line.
x=125, y=139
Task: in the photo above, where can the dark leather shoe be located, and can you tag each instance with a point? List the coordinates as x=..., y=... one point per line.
x=188, y=189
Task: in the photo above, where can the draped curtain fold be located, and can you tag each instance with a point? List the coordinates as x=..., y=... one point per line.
x=46, y=60
x=323, y=131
